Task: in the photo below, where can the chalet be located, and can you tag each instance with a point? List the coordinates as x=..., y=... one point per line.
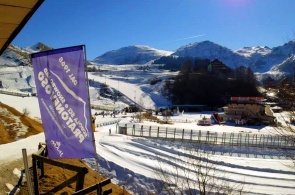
x=249, y=110
x=216, y=67
x=269, y=82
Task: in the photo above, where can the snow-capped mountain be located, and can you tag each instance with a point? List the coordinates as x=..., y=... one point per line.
x=138, y=54
x=254, y=52
x=210, y=50
x=16, y=69
x=37, y=48
x=275, y=57
x=286, y=68
x=264, y=61
x=277, y=62
x=15, y=56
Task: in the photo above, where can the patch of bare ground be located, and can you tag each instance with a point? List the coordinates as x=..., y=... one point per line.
x=53, y=175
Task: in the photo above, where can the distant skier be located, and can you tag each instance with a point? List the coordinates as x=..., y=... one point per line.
x=93, y=123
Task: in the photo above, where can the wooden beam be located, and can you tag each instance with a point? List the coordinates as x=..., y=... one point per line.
x=65, y=183
x=94, y=187
x=60, y=164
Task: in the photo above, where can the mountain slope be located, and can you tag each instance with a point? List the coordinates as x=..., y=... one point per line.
x=15, y=56
x=16, y=68
x=264, y=61
x=138, y=54
x=210, y=50
x=275, y=57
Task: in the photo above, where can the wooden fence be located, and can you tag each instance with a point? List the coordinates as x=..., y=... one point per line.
x=240, y=139
x=38, y=160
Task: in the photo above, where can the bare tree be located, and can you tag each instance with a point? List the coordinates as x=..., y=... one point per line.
x=166, y=115
x=138, y=115
x=287, y=129
x=195, y=172
x=26, y=112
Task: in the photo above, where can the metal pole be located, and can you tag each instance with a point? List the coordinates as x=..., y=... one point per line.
x=90, y=115
x=28, y=175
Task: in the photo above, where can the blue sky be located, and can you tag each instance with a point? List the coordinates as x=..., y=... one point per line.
x=104, y=25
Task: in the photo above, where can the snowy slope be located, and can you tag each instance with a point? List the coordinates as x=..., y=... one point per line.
x=15, y=56
x=20, y=78
x=279, y=71
x=134, y=83
x=210, y=50
x=138, y=54
x=276, y=57
x=254, y=52
x=134, y=162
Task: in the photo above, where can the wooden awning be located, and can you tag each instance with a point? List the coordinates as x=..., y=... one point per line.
x=14, y=14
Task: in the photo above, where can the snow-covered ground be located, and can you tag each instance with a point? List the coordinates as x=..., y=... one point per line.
x=134, y=162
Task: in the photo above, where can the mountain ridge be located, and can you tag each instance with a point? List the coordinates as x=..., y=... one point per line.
x=137, y=54
x=276, y=62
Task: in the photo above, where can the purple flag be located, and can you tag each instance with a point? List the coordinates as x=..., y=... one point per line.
x=64, y=104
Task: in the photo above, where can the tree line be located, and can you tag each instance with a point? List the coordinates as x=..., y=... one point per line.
x=196, y=85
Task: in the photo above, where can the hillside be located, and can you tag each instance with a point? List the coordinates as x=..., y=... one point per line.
x=212, y=51
x=137, y=54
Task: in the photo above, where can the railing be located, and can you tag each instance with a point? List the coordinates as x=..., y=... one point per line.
x=38, y=161
x=209, y=137
x=107, y=123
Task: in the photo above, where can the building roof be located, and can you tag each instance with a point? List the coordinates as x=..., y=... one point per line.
x=14, y=14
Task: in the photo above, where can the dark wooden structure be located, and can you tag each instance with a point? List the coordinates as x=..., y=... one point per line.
x=269, y=82
x=219, y=69
x=40, y=158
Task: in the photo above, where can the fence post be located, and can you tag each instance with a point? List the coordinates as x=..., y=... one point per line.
x=191, y=135
x=262, y=141
x=182, y=134
x=166, y=132
x=35, y=174
x=247, y=142
x=199, y=136
x=150, y=130
x=255, y=135
x=239, y=140
x=280, y=142
x=80, y=181
x=158, y=132
x=133, y=130
x=231, y=139
x=174, y=133
x=125, y=130
x=223, y=138
x=27, y=173
x=207, y=138
x=271, y=141
x=289, y=143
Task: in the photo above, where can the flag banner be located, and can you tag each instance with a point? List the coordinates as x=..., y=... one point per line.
x=61, y=85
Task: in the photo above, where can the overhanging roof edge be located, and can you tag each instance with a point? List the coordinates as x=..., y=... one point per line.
x=21, y=25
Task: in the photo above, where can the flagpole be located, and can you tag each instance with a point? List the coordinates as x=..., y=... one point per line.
x=87, y=85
